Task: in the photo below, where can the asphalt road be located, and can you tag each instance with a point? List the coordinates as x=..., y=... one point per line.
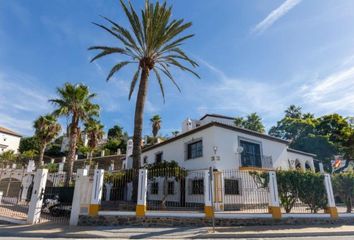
x=46, y=231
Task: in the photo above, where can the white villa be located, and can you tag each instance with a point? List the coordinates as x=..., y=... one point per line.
x=215, y=141
x=9, y=140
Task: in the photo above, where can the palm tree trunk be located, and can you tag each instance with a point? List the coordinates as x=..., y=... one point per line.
x=90, y=157
x=138, y=118
x=41, y=154
x=138, y=127
x=72, y=149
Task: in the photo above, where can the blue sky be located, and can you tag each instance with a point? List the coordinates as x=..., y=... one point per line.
x=255, y=56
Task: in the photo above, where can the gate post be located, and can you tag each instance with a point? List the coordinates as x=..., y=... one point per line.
x=208, y=207
x=331, y=205
x=76, y=205
x=142, y=189
x=35, y=207
x=96, y=194
x=274, y=203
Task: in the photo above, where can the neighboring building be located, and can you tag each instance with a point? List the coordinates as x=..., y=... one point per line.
x=9, y=140
x=215, y=141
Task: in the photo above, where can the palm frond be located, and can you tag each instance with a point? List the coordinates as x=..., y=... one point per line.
x=116, y=68
x=159, y=80
x=133, y=83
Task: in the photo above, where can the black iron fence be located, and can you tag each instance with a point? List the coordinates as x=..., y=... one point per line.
x=119, y=190
x=175, y=189
x=243, y=192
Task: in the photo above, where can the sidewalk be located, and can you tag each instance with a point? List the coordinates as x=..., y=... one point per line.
x=57, y=231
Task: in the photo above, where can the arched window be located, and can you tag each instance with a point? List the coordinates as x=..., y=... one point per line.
x=307, y=166
x=297, y=164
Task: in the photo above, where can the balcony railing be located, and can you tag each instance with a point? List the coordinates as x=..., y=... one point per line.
x=258, y=161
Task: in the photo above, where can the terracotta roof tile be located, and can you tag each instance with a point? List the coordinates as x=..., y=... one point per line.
x=8, y=131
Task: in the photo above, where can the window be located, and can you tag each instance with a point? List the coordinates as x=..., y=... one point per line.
x=145, y=159
x=154, y=188
x=251, y=154
x=158, y=157
x=171, y=188
x=232, y=186
x=195, y=149
x=197, y=186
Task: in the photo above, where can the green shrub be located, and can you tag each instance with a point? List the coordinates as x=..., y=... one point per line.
x=312, y=190
x=343, y=186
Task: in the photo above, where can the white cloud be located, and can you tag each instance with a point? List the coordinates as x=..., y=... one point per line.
x=275, y=15
x=332, y=93
x=21, y=101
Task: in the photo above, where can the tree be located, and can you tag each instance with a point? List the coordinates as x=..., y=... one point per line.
x=153, y=44
x=74, y=101
x=343, y=186
x=293, y=112
x=115, y=132
x=117, y=138
x=94, y=130
x=156, y=125
x=29, y=155
x=46, y=129
x=28, y=143
x=252, y=122
x=8, y=157
x=167, y=171
x=175, y=133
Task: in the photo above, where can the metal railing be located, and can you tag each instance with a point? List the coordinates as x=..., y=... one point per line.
x=175, y=189
x=250, y=160
x=243, y=193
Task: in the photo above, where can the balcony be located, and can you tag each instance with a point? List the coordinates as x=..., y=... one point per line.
x=252, y=161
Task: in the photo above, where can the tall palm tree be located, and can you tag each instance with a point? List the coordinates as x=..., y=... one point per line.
x=46, y=129
x=153, y=44
x=94, y=131
x=74, y=101
x=156, y=125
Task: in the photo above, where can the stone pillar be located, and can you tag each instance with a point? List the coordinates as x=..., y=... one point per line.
x=208, y=195
x=274, y=202
x=76, y=205
x=61, y=167
x=96, y=193
x=119, y=152
x=320, y=165
x=142, y=189
x=331, y=204
x=102, y=153
x=30, y=166
x=34, y=211
x=218, y=188
x=108, y=190
x=26, y=183
x=1, y=193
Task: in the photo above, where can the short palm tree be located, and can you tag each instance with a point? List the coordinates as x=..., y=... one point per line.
x=74, y=101
x=153, y=44
x=94, y=131
x=156, y=125
x=7, y=157
x=46, y=129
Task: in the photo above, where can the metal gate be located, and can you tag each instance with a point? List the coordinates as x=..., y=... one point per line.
x=57, y=202
x=14, y=201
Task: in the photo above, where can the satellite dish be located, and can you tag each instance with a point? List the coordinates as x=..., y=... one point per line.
x=239, y=150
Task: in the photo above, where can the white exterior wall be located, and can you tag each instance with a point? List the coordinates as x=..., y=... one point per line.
x=292, y=156
x=176, y=151
x=210, y=119
x=12, y=142
x=226, y=141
